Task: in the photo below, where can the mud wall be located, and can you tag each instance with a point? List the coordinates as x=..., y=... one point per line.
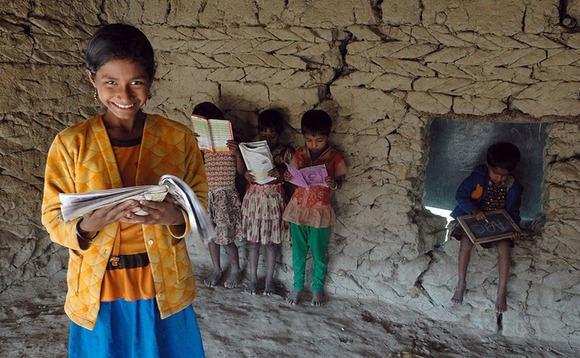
x=383, y=69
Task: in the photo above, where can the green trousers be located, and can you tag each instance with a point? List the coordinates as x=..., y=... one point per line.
x=303, y=239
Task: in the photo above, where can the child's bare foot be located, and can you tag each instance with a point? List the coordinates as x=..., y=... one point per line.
x=501, y=304
x=251, y=288
x=213, y=279
x=317, y=298
x=269, y=289
x=458, y=295
x=294, y=297
x=233, y=279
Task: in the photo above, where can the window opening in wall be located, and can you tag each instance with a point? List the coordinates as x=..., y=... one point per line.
x=456, y=147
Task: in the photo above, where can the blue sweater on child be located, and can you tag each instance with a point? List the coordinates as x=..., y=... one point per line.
x=470, y=194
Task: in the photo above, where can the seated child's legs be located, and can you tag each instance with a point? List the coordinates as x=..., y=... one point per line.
x=504, y=260
x=462, y=263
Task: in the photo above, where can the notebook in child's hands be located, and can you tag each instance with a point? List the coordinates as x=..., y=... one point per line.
x=258, y=159
x=308, y=176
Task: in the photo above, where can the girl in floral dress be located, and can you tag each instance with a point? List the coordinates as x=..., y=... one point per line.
x=223, y=202
x=264, y=204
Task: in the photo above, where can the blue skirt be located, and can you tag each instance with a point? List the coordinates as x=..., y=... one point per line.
x=136, y=330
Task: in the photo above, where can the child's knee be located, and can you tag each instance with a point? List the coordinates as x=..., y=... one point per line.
x=272, y=246
x=503, y=247
x=231, y=247
x=466, y=244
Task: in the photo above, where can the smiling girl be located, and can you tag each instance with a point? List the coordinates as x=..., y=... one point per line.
x=130, y=281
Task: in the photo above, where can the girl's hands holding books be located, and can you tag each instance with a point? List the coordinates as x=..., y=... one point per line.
x=287, y=176
x=332, y=182
x=133, y=212
x=99, y=218
x=158, y=213
x=240, y=166
x=275, y=173
x=233, y=145
x=250, y=176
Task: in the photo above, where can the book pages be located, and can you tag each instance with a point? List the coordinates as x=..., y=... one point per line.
x=75, y=205
x=221, y=132
x=201, y=129
x=258, y=159
x=78, y=204
x=183, y=196
x=308, y=176
x=212, y=134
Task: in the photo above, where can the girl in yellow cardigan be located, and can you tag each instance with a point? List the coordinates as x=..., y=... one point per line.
x=130, y=281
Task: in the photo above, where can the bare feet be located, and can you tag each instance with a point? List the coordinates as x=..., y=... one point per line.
x=458, y=295
x=501, y=304
x=294, y=297
x=213, y=279
x=317, y=298
x=233, y=279
x=250, y=289
x=270, y=289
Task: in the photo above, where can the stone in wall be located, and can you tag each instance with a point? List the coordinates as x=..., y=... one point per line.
x=434, y=103
x=317, y=14
x=403, y=12
x=561, y=96
x=478, y=105
x=564, y=142
x=17, y=44
x=475, y=16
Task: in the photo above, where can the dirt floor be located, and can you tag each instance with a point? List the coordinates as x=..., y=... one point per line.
x=234, y=324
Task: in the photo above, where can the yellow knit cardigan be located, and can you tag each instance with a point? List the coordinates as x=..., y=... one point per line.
x=81, y=159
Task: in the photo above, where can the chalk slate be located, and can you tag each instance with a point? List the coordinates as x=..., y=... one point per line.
x=456, y=147
x=499, y=225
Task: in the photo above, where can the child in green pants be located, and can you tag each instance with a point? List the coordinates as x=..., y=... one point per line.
x=309, y=212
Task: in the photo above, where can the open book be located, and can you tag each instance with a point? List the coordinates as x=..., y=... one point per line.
x=258, y=159
x=308, y=176
x=76, y=205
x=212, y=134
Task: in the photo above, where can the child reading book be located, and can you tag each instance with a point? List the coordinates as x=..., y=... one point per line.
x=264, y=204
x=223, y=202
x=309, y=212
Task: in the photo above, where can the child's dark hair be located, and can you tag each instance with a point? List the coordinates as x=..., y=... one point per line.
x=120, y=41
x=503, y=155
x=316, y=121
x=208, y=110
x=271, y=119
